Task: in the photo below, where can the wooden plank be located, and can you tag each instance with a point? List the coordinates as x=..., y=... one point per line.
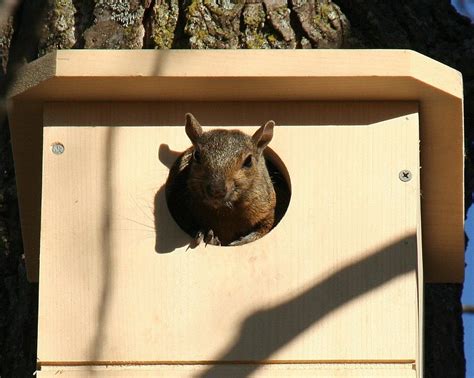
x=286, y=65
x=323, y=75
x=117, y=283
x=277, y=370
x=442, y=191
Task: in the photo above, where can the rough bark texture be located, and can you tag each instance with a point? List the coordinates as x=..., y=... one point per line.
x=37, y=27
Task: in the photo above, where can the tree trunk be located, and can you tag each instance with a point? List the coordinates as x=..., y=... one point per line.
x=37, y=27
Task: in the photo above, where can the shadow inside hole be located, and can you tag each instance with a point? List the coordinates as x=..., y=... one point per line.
x=281, y=183
x=176, y=191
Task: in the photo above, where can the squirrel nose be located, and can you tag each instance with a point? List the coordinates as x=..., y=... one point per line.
x=216, y=191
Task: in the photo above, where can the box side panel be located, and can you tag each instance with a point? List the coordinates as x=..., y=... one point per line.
x=26, y=121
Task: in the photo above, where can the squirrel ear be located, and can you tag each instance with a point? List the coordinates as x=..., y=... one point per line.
x=193, y=128
x=263, y=135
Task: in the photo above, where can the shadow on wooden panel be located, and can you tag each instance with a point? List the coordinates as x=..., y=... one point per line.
x=106, y=256
x=264, y=332
x=166, y=241
x=230, y=114
x=257, y=341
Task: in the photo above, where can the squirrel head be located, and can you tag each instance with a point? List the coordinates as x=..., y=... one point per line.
x=227, y=165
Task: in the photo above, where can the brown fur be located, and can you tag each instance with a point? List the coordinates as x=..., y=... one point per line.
x=218, y=190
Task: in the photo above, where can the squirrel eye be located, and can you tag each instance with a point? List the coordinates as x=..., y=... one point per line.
x=247, y=162
x=197, y=156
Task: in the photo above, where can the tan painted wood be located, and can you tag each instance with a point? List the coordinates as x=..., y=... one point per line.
x=324, y=75
x=277, y=370
x=336, y=280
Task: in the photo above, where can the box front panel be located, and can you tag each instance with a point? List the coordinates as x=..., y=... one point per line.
x=334, y=281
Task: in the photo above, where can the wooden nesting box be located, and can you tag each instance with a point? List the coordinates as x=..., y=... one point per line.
x=334, y=290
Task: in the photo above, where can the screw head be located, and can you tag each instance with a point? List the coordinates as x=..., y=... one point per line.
x=405, y=175
x=57, y=148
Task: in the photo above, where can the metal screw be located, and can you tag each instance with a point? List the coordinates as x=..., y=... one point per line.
x=405, y=175
x=57, y=148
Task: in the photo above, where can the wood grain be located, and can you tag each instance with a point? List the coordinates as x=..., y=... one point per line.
x=335, y=280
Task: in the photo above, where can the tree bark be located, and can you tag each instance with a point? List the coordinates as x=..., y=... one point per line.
x=38, y=27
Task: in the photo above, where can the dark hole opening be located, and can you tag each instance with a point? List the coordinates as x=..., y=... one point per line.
x=176, y=187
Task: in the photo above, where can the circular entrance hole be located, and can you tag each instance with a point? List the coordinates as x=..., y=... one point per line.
x=177, y=194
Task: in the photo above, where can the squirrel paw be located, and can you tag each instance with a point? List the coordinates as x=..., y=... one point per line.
x=208, y=238
x=198, y=239
x=211, y=238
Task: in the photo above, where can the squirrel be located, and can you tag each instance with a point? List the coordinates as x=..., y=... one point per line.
x=219, y=190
